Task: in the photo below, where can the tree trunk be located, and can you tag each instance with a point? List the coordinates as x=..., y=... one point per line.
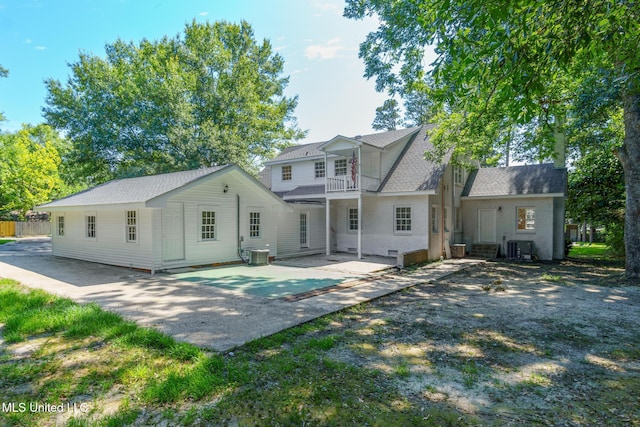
x=629, y=155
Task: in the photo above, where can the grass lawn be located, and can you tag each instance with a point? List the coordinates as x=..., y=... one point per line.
x=597, y=251
x=496, y=344
x=3, y=241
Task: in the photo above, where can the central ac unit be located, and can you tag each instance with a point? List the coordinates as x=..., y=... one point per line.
x=520, y=249
x=259, y=257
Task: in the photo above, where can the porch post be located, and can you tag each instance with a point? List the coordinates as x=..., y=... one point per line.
x=328, y=225
x=359, y=202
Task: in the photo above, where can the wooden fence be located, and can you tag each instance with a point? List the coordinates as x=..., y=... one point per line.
x=21, y=229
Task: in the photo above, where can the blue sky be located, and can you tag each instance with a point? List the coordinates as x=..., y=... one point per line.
x=39, y=38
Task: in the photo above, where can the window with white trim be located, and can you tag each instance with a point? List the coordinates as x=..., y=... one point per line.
x=526, y=219
x=320, y=169
x=402, y=219
x=286, y=173
x=340, y=167
x=353, y=219
x=60, y=225
x=254, y=225
x=132, y=227
x=90, y=226
x=207, y=225
x=458, y=174
x=435, y=220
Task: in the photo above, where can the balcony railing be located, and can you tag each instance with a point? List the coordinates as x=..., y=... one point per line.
x=345, y=183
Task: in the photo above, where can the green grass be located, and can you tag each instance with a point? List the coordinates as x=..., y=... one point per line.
x=589, y=251
x=3, y=241
x=83, y=353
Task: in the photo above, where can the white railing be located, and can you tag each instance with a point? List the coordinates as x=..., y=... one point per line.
x=345, y=183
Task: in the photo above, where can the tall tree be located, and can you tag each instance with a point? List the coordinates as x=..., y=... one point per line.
x=3, y=73
x=511, y=55
x=28, y=170
x=387, y=116
x=211, y=96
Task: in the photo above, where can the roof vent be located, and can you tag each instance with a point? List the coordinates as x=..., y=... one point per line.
x=358, y=136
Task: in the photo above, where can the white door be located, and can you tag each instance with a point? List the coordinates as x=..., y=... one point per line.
x=486, y=225
x=173, y=232
x=304, y=229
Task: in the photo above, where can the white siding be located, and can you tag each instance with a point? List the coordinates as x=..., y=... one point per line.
x=289, y=230
x=302, y=173
x=506, y=222
x=110, y=245
x=378, y=228
x=211, y=196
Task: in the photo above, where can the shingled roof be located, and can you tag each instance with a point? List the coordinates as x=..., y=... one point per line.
x=412, y=172
x=133, y=190
x=542, y=179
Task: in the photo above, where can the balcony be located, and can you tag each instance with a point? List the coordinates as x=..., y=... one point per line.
x=345, y=183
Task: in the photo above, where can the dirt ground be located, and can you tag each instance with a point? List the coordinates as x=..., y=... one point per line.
x=510, y=344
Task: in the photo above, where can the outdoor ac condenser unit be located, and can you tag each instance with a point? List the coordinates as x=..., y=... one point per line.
x=259, y=257
x=520, y=249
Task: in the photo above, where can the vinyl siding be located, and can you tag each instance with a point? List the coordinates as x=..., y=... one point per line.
x=289, y=230
x=110, y=245
x=302, y=173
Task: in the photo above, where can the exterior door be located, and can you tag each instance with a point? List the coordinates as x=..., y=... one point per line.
x=304, y=229
x=486, y=225
x=173, y=232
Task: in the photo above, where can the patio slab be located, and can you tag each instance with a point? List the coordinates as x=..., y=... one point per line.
x=207, y=316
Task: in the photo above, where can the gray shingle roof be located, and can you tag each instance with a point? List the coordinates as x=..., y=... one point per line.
x=306, y=190
x=382, y=139
x=412, y=172
x=300, y=152
x=133, y=190
x=516, y=181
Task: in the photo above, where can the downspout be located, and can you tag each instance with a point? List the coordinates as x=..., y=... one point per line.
x=442, y=250
x=453, y=205
x=238, y=228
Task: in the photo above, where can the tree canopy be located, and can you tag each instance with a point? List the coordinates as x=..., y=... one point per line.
x=504, y=64
x=208, y=97
x=29, y=174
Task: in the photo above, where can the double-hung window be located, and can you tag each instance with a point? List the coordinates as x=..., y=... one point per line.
x=60, y=226
x=207, y=225
x=132, y=227
x=403, y=219
x=340, y=167
x=90, y=226
x=286, y=173
x=526, y=219
x=254, y=225
x=353, y=219
x=320, y=169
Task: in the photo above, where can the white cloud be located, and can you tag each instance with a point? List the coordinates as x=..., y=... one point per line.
x=203, y=13
x=27, y=41
x=40, y=47
x=329, y=50
x=325, y=6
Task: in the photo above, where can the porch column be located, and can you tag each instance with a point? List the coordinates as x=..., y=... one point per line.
x=359, y=226
x=328, y=225
x=359, y=202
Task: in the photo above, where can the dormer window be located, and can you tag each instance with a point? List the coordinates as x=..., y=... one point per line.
x=340, y=167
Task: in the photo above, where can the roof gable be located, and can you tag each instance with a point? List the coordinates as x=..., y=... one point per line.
x=525, y=180
x=412, y=172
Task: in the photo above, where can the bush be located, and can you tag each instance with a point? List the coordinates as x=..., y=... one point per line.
x=614, y=237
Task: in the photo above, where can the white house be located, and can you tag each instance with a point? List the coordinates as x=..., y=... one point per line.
x=370, y=194
x=171, y=220
x=382, y=197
